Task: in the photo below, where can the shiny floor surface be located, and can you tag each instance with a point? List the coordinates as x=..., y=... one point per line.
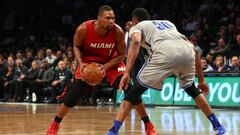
x=26, y=119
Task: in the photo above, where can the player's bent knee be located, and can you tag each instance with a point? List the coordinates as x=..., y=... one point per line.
x=134, y=94
x=133, y=99
x=193, y=91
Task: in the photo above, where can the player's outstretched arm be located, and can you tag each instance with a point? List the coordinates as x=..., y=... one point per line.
x=133, y=51
x=201, y=82
x=132, y=55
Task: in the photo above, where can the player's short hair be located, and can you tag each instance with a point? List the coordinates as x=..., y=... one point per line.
x=141, y=14
x=104, y=8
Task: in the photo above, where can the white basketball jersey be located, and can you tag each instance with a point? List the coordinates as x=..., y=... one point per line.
x=156, y=31
x=170, y=53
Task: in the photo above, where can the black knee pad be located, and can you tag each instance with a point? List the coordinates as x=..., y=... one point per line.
x=134, y=94
x=130, y=86
x=133, y=98
x=193, y=91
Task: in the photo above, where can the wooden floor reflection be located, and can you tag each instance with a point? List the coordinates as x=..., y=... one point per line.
x=26, y=119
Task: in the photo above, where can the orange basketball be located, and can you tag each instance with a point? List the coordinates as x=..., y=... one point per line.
x=93, y=73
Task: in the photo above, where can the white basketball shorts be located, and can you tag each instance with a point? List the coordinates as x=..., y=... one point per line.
x=168, y=58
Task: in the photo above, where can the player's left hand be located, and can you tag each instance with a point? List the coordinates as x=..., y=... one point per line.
x=124, y=81
x=203, y=86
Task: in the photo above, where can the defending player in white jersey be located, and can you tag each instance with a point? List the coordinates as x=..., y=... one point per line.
x=171, y=53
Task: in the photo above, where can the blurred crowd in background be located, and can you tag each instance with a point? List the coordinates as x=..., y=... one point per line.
x=36, y=41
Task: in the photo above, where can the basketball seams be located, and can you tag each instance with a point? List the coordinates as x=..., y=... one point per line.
x=91, y=74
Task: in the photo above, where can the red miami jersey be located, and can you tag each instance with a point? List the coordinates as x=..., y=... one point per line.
x=100, y=50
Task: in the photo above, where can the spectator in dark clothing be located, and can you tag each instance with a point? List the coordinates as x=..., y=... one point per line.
x=21, y=70
x=235, y=64
x=29, y=59
x=42, y=84
x=7, y=79
x=8, y=83
x=23, y=85
x=220, y=66
x=59, y=56
x=20, y=74
x=210, y=59
x=33, y=72
x=62, y=77
x=221, y=49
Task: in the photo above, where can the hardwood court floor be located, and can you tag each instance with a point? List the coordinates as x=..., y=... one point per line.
x=26, y=119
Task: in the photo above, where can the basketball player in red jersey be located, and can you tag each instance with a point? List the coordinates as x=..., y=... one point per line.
x=100, y=41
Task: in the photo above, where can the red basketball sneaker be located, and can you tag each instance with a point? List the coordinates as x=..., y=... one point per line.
x=53, y=128
x=150, y=129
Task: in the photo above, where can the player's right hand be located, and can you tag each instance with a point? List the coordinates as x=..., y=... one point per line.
x=124, y=81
